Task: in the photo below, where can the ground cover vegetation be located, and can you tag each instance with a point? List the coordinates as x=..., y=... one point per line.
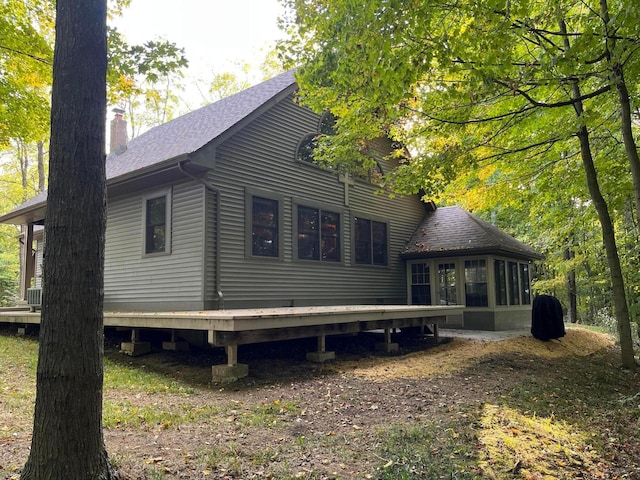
x=467, y=409
x=522, y=111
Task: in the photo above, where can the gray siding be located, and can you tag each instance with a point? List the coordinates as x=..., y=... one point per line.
x=163, y=282
x=262, y=157
x=210, y=284
x=37, y=281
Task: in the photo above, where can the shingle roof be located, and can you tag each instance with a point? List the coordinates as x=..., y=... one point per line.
x=190, y=132
x=448, y=231
x=183, y=135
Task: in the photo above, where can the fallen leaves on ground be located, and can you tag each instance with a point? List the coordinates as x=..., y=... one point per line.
x=463, y=353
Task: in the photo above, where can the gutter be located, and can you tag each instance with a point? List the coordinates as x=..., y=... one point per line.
x=208, y=185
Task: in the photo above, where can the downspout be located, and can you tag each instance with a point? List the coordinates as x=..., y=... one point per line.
x=215, y=190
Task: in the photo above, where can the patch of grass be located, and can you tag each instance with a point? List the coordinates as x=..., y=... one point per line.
x=425, y=451
x=270, y=414
x=124, y=414
x=18, y=362
x=137, y=379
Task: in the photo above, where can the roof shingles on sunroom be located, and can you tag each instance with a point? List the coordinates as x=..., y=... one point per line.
x=449, y=231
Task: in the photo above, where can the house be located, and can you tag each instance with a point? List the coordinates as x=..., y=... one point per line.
x=222, y=209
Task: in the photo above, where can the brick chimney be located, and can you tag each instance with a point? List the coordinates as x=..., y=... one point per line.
x=118, y=137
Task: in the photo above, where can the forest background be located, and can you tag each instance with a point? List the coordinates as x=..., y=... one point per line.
x=528, y=181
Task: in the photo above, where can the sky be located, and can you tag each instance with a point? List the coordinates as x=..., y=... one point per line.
x=217, y=35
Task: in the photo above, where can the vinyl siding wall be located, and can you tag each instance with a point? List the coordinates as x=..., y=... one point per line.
x=134, y=281
x=261, y=158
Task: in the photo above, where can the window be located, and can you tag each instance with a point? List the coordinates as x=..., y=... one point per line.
x=327, y=124
x=309, y=143
x=306, y=148
x=420, y=284
x=318, y=234
x=371, y=244
x=265, y=226
x=372, y=174
x=514, y=285
x=475, y=274
x=157, y=224
x=525, y=285
x=501, y=282
x=447, y=283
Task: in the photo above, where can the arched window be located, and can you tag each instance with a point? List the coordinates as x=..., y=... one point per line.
x=306, y=147
x=327, y=125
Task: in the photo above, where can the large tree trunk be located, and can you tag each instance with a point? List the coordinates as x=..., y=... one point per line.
x=67, y=434
x=608, y=234
x=613, y=260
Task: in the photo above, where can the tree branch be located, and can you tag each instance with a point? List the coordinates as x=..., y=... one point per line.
x=566, y=103
x=34, y=57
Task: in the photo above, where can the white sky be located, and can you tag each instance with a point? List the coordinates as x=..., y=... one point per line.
x=217, y=35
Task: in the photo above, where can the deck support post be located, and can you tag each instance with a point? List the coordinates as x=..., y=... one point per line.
x=321, y=355
x=233, y=370
x=387, y=346
x=175, y=345
x=135, y=347
x=436, y=333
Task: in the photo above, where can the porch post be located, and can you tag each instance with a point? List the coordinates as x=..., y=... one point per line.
x=27, y=268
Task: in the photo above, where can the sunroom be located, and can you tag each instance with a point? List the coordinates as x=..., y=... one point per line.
x=455, y=258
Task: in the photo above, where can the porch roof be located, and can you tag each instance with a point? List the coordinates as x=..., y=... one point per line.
x=452, y=231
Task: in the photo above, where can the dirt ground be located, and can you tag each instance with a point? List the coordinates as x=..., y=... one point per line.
x=294, y=419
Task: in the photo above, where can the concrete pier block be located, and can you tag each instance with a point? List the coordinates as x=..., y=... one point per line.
x=387, y=347
x=229, y=373
x=135, y=349
x=320, y=357
x=180, y=346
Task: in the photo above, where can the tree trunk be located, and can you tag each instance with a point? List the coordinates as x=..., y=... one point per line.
x=608, y=235
x=24, y=168
x=617, y=79
x=67, y=438
x=570, y=284
x=40, y=167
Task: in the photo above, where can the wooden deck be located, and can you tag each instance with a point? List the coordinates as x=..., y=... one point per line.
x=230, y=328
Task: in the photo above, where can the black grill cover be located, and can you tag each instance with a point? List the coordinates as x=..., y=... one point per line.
x=546, y=318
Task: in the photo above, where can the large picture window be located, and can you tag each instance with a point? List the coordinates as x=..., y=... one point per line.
x=265, y=227
x=318, y=234
x=420, y=284
x=157, y=224
x=475, y=273
x=371, y=244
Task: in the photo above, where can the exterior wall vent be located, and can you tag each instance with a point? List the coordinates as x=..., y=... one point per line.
x=34, y=297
